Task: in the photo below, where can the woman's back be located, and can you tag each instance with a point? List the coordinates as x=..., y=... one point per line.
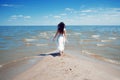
x=61, y=33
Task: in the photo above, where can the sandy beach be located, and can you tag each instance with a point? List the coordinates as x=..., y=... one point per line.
x=69, y=67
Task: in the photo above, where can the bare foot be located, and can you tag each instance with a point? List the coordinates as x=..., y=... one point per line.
x=61, y=53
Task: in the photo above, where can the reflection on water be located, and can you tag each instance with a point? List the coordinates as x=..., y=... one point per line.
x=21, y=41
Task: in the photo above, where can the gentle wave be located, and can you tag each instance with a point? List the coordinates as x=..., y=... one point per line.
x=77, y=33
x=31, y=59
x=105, y=40
x=1, y=66
x=29, y=40
x=95, y=36
x=100, y=45
x=41, y=44
x=112, y=38
x=29, y=44
x=46, y=35
x=102, y=39
x=100, y=57
x=16, y=61
x=33, y=44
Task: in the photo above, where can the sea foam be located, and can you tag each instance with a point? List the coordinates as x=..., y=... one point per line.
x=105, y=40
x=41, y=44
x=100, y=45
x=113, y=38
x=95, y=36
x=1, y=66
x=29, y=40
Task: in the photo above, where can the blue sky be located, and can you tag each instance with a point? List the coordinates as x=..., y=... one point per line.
x=51, y=12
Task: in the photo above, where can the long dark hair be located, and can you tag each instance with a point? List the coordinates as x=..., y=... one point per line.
x=61, y=27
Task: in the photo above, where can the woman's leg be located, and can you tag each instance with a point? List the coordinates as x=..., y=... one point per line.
x=61, y=53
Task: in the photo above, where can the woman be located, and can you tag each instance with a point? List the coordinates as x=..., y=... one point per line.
x=61, y=37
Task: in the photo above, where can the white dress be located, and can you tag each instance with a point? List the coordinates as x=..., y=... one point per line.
x=61, y=42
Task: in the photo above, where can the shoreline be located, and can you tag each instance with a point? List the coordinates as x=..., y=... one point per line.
x=69, y=67
x=15, y=67
x=26, y=63
x=93, y=57
x=76, y=53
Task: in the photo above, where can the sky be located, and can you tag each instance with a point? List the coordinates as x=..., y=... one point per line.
x=51, y=12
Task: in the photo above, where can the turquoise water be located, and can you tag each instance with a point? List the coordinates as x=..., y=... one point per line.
x=23, y=41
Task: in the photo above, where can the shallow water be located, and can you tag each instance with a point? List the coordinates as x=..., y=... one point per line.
x=17, y=42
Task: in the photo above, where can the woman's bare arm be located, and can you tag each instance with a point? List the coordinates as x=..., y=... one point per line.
x=65, y=33
x=55, y=35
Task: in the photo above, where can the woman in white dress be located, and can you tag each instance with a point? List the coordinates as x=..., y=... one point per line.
x=61, y=37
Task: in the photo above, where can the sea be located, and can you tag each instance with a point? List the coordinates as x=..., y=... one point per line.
x=101, y=41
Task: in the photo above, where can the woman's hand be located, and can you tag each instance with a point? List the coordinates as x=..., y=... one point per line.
x=55, y=35
x=53, y=39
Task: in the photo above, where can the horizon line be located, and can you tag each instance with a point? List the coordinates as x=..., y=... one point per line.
x=67, y=25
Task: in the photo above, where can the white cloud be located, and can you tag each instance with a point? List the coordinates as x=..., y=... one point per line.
x=69, y=20
x=88, y=11
x=63, y=14
x=20, y=16
x=83, y=14
x=87, y=16
x=7, y=5
x=69, y=9
x=115, y=9
x=96, y=16
x=114, y=12
x=10, y=5
x=57, y=17
x=103, y=12
x=15, y=17
x=27, y=17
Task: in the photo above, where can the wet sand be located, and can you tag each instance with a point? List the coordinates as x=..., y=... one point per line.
x=69, y=67
x=14, y=68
